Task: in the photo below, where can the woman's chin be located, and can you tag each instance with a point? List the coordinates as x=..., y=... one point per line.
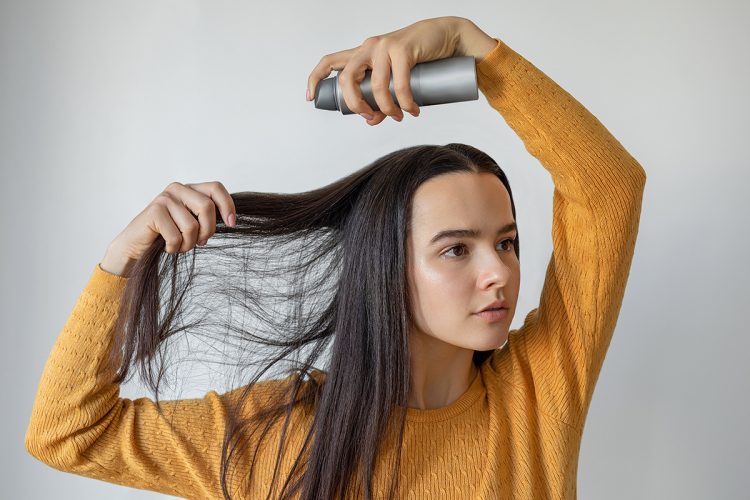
x=491, y=343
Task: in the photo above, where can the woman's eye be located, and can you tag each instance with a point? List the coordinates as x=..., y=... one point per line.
x=454, y=246
x=462, y=246
x=510, y=242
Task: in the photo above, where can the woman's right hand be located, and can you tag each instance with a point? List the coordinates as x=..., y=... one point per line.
x=171, y=215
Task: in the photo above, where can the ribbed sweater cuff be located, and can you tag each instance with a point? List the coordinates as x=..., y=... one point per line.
x=495, y=71
x=106, y=285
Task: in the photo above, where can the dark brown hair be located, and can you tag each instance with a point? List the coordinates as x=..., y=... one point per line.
x=336, y=257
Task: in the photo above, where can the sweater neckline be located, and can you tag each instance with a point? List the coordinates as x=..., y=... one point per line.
x=463, y=403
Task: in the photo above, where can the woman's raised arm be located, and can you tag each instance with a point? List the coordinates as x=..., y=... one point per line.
x=595, y=216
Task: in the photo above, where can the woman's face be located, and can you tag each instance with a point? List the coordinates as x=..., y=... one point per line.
x=454, y=277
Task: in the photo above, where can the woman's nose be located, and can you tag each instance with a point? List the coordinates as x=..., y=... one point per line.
x=494, y=270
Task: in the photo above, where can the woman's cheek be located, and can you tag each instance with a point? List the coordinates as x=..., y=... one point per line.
x=444, y=291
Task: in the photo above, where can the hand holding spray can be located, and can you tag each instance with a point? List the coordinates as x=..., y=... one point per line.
x=442, y=81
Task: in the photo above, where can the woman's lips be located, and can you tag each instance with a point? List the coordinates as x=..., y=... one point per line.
x=493, y=314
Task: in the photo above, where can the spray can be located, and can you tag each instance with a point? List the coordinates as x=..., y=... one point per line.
x=441, y=81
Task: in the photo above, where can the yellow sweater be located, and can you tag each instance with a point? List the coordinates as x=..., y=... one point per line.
x=515, y=433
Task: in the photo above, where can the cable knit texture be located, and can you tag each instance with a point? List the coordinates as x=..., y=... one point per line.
x=515, y=433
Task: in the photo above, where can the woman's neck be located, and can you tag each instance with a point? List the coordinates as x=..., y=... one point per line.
x=440, y=372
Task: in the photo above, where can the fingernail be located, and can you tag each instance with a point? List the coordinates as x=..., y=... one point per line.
x=397, y=118
x=232, y=219
x=307, y=94
x=366, y=116
x=203, y=243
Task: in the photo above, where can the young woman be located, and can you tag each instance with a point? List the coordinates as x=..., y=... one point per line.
x=409, y=270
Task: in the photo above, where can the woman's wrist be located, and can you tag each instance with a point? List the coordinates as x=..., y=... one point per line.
x=472, y=41
x=113, y=263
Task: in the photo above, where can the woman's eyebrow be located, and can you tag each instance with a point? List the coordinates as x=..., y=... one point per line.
x=469, y=233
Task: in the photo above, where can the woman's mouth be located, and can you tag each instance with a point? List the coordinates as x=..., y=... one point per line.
x=493, y=314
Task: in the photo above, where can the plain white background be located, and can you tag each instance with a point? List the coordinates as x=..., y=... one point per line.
x=102, y=104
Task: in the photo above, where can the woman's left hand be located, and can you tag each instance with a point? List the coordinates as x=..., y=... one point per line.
x=398, y=51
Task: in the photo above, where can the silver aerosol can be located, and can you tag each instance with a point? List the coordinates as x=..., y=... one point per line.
x=441, y=81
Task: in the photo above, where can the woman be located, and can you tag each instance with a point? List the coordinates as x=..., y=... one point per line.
x=424, y=394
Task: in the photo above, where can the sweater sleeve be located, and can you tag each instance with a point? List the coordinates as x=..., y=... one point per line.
x=598, y=186
x=79, y=424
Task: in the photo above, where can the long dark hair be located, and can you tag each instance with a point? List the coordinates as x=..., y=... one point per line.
x=337, y=259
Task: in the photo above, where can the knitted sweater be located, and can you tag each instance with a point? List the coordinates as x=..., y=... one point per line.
x=516, y=431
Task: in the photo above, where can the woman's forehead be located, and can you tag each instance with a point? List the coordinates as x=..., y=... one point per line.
x=455, y=201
